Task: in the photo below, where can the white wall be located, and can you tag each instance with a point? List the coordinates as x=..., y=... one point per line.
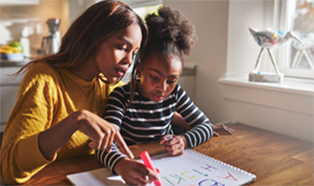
x=210, y=52
x=226, y=49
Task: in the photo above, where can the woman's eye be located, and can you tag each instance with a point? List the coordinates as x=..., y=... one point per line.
x=122, y=47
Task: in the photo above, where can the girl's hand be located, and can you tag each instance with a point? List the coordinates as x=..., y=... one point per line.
x=101, y=132
x=174, y=146
x=221, y=128
x=134, y=172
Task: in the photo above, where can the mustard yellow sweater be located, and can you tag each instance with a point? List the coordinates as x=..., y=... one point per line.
x=46, y=96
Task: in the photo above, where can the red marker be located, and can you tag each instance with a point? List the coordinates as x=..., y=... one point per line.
x=148, y=163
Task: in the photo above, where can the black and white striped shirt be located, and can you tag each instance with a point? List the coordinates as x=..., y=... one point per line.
x=145, y=121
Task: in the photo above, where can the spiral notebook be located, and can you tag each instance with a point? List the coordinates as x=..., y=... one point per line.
x=190, y=169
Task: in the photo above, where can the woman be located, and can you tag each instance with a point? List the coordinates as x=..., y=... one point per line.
x=62, y=96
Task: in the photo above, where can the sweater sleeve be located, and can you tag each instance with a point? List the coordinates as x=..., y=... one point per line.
x=21, y=157
x=114, y=114
x=201, y=127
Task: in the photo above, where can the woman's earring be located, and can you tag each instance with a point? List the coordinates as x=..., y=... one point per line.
x=138, y=71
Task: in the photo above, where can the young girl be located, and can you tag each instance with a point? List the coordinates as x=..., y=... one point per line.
x=144, y=108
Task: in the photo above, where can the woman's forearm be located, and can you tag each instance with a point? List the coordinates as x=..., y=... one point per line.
x=101, y=133
x=51, y=140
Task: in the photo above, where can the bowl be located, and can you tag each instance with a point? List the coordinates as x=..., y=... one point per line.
x=13, y=57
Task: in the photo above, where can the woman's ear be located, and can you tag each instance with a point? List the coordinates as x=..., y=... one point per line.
x=138, y=70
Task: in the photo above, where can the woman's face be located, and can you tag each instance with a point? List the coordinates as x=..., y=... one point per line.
x=159, y=76
x=115, y=54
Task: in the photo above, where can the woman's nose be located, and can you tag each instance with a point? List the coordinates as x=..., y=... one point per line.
x=129, y=58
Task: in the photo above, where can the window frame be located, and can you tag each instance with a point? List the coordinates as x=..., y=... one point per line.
x=141, y=3
x=282, y=15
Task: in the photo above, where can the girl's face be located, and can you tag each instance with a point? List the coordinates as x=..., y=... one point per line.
x=159, y=76
x=115, y=54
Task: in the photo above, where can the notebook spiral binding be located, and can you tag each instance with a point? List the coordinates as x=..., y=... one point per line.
x=220, y=162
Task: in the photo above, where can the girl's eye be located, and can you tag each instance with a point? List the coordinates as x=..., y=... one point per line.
x=172, y=81
x=153, y=77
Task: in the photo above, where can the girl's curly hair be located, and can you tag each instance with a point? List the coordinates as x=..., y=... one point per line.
x=170, y=33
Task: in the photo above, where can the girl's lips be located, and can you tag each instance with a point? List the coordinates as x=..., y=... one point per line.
x=158, y=97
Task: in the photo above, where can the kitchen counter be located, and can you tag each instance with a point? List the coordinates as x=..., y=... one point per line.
x=10, y=63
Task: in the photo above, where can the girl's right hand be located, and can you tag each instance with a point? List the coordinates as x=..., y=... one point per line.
x=101, y=132
x=134, y=172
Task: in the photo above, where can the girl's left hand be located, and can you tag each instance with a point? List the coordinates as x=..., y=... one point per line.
x=174, y=146
x=221, y=128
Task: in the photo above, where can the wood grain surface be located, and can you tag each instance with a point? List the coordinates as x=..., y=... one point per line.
x=275, y=159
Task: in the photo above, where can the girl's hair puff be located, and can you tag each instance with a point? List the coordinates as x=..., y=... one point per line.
x=169, y=33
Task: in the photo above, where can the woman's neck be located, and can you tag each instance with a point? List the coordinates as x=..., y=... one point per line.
x=87, y=70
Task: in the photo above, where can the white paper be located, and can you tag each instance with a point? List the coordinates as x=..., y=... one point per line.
x=190, y=169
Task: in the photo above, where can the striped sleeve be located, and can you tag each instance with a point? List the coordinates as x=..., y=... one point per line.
x=114, y=113
x=110, y=159
x=115, y=108
x=201, y=127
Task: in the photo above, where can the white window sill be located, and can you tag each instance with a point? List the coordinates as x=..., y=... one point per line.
x=290, y=95
x=289, y=85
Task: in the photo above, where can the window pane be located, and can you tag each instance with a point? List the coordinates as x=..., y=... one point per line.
x=143, y=11
x=302, y=56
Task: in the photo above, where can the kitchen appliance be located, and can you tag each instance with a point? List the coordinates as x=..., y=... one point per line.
x=51, y=43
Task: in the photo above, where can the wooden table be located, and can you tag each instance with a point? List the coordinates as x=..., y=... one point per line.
x=275, y=159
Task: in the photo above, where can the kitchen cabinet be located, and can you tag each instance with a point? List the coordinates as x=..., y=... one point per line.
x=9, y=87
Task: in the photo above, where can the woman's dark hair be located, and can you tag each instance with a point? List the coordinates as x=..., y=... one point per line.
x=97, y=23
x=170, y=33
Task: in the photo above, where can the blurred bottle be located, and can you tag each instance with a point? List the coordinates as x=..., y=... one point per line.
x=51, y=43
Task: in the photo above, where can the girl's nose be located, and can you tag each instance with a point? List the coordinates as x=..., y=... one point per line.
x=163, y=85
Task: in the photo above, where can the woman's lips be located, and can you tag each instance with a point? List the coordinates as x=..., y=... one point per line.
x=121, y=71
x=120, y=74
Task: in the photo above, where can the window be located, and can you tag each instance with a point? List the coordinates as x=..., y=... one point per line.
x=143, y=11
x=143, y=7
x=295, y=59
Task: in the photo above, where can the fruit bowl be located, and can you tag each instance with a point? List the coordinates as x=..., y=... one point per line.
x=13, y=57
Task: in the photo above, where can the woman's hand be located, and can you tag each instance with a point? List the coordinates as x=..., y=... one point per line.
x=221, y=128
x=101, y=132
x=134, y=172
x=174, y=146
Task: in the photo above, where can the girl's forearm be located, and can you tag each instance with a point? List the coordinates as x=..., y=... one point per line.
x=177, y=119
